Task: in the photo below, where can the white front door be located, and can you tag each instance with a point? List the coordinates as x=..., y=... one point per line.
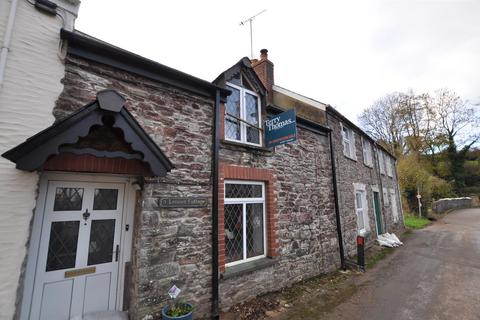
x=77, y=267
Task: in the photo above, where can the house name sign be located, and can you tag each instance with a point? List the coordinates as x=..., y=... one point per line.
x=183, y=202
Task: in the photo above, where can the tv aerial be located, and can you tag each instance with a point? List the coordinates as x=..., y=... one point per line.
x=251, y=30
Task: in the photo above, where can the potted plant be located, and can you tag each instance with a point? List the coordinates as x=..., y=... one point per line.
x=177, y=310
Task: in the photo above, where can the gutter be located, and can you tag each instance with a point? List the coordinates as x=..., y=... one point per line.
x=215, y=169
x=7, y=39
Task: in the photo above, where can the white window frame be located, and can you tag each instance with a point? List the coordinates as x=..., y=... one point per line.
x=361, y=188
x=393, y=197
x=386, y=197
x=244, y=201
x=243, y=126
x=388, y=161
x=367, y=153
x=381, y=161
x=348, y=142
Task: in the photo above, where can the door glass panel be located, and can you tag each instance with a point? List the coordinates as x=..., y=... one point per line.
x=62, y=247
x=105, y=199
x=68, y=199
x=254, y=229
x=100, y=248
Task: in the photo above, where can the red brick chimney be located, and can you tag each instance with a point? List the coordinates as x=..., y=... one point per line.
x=264, y=70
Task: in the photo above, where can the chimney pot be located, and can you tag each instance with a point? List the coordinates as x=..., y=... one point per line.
x=263, y=54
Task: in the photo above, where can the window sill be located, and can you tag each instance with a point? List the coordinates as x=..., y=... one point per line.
x=350, y=158
x=364, y=233
x=247, y=267
x=245, y=146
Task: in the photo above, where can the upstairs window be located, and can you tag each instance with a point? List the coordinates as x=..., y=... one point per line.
x=388, y=162
x=348, y=139
x=242, y=116
x=367, y=153
x=381, y=160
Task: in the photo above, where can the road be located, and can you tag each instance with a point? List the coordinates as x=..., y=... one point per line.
x=436, y=275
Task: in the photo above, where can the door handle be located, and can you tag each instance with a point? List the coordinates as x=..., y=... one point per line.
x=117, y=252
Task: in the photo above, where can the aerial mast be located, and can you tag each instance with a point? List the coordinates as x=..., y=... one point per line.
x=251, y=31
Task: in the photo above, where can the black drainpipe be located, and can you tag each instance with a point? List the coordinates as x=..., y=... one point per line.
x=382, y=213
x=215, y=159
x=337, y=204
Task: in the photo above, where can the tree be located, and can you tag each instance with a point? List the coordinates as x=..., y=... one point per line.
x=455, y=116
x=404, y=122
x=382, y=122
x=431, y=135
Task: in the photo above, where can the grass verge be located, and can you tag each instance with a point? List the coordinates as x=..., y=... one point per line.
x=416, y=222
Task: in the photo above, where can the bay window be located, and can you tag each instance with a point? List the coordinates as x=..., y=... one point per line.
x=245, y=236
x=242, y=116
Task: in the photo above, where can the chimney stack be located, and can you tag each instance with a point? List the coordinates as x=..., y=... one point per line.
x=264, y=70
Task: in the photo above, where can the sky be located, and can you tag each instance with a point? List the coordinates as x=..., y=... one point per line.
x=344, y=53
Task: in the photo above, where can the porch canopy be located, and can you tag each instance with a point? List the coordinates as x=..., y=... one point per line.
x=100, y=137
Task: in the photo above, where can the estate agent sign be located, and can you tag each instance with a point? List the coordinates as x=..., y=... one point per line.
x=281, y=129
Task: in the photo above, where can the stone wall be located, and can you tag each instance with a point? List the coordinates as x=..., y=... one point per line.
x=305, y=216
x=171, y=246
x=444, y=205
x=351, y=171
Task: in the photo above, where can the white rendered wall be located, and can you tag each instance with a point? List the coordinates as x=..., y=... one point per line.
x=31, y=86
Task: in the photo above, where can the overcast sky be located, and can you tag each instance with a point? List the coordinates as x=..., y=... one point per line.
x=344, y=53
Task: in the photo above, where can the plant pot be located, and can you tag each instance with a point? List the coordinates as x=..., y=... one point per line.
x=188, y=316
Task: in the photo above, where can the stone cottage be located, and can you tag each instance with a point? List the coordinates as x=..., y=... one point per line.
x=318, y=193
x=123, y=176
x=368, y=194
x=276, y=213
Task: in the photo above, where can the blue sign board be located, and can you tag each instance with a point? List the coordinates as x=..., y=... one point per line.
x=281, y=129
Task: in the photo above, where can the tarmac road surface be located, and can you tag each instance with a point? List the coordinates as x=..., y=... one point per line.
x=436, y=275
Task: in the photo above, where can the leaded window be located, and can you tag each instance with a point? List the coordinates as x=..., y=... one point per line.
x=242, y=116
x=244, y=211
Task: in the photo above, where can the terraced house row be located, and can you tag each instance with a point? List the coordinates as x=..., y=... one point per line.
x=122, y=176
